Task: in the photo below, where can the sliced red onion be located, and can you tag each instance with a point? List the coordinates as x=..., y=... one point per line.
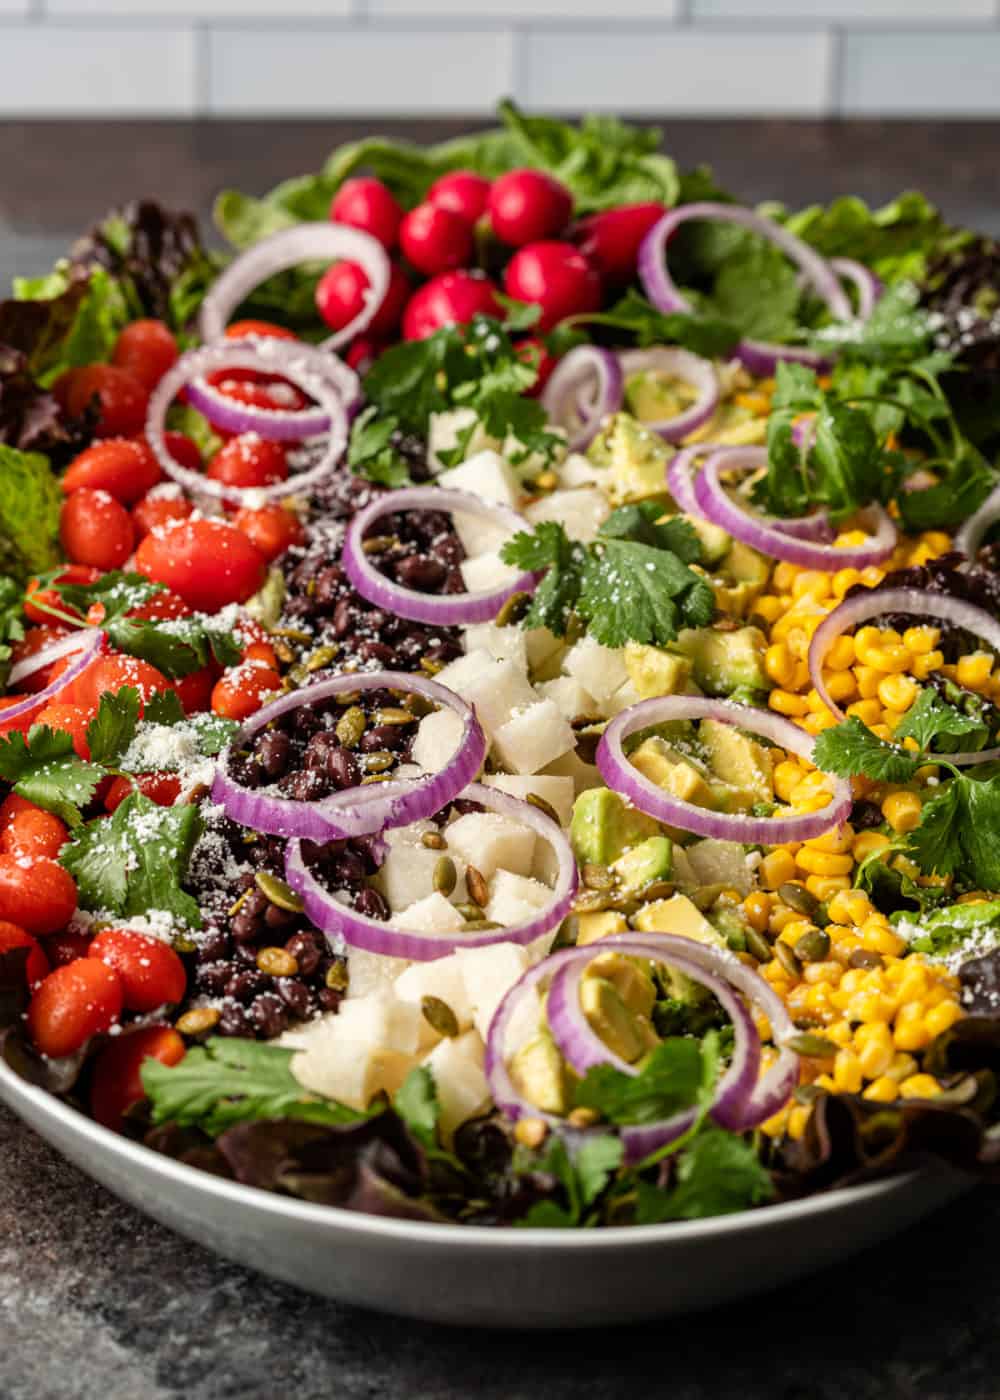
x=362, y=810
x=315, y=242
x=340, y=921
x=680, y=484
x=443, y=609
x=303, y=364
x=621, y=775
x=679, y=364
x=53, y=651
x=89, y=643
x=936, y=607
x=866, y=284
x=679, y=480
x=278, y=424
x=761, y=359
x=583, y=389
x=718, y=506
x=972, y=533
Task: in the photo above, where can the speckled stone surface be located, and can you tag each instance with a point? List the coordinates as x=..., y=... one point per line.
x=98, y=1303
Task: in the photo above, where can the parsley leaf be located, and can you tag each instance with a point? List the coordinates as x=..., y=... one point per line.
x=113, y=727
x=978, y=833
x=851, y=749
x=371, y=452
x=135, y=859
x=45, y=770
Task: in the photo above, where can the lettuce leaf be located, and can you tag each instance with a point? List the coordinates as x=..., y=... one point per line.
x=29, y=513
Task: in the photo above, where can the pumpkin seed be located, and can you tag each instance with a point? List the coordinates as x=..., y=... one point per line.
x=198, y=1020
x=445, y=876
x=183, y=944
x=278, y=892
x=433, y=840
x=658, y=889
x=480, y=926
x=295, y=677
x=531, y=1132
x=597, y=877
x=430, y=666
x=277, y=962
x=866, y=959
x=336, y=977
x=806, y=1093
x=786, y=956
x=543, y=806
x=294, y=634
x=393, y=715
x=238, y=904
x=379, y=761
x=347, y=697
x=478, y=889
x=376, y=778
x=583, y=1117
x=546, y=481
x=321, y=657
x=376, y=544
x=817, y=1047
x=469, y=911
x=418, y=705
x=758, y=946
x=351, y=725
x=592, y=902
x=513, y=609
x=439, y=1016
x=797, y=897
x=813, y=946
x=283, y=652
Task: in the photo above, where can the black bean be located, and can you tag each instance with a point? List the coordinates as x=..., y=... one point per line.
x=370, y=903
x=305, y=786
x=212, y=978
x=269, y=1015
x=213, y=946
x=342, y=768
x=343, y=618
x=295, y=994
x=244, y=986
x=865, y=815
x=306, y=952
x=277, y=918
x=329, y=999
x=245, y=927
x=383, y=736
x=328, y=585
x=346, y=868
x=376, y=651
x=274, y=750
x=234, y=1021
x=421, y=572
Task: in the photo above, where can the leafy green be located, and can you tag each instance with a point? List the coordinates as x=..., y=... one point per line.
x=86, y=313
x=670, y=1081
x=644, y=523
x=164, y=707
x=851, y=749
x=935, y=724
x=44, y=769
x=896, y=240
x=371, y=452
x=136, y=859
x=113, y=727
x=944, y=930
x=633, y=314
x=184, y=418
x=717, y=1174
x=29, y=514
x=583, y=1173
x=416, y=1102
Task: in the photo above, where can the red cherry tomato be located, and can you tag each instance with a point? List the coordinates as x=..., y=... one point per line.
x=38, y=599
x=37, y=966
x=183, y=449
x=162, y=607
x=249, y=460
x=96, y=529
x=435, y=240
x=12, y=806
x=257, y=390
x=610, y=240
x=526, y=205
x=123, y=467
x=535, y=353
x=73, y=718
x=147, y=349
x=151, y=972
x=161, y=788
x=36, y=833
x=35, y=639
x=154, y=512
x=208, y=562
x=243, y=690
x=271, y=528
x=340, y=297
x=121, y=401
x=453, y=298
x=367, y=204
x=239, y=330
x=67, y=946
x=462, y=192
x=110, y=674
x=36, y=894
x=195, y=690
x=262, y=654
x=75, y=1002
x=557, y=277
x=116, y=1078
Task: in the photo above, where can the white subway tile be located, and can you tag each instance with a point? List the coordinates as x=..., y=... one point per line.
x=57, y=71
x=357, y=71
x=825, y=11
x=528, y=9
x=685, y=71
x=14, y=7
x=202, y=9
x=921, y=74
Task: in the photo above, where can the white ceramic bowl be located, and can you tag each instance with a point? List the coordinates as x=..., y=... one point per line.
x=475, y=1275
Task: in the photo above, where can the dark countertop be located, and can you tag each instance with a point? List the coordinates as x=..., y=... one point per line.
x=97, y=1303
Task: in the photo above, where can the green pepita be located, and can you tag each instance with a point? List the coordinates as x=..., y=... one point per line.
x=543, y=806
x=813, y=946
x=377, y=544
x=433, y=840
x=445, y=876
x=430, y=666
x=321, y=657
x=351, y=725
x=786, y=956
x=513, y=609
x=379, y=761
x=393, y=715
x=336, y=977
x=470, y=912
x=278, y=892
x=797, y=897
x=439, y=1016
x=816, y=1047
x=598, y=877
x=758, y=946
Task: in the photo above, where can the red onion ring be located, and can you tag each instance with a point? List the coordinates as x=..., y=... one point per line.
x=338, y=921
x=312, y=242
x=621, y=775
x=680, y=364
x=362, y=810
x=303, y=364
x=278, y=424
x=876, y=603
x=443, y=609
x=680, y=484
x=718, y=507
x=53, y=651
x=565, y=403
x=970, y=536
x=89, y=643
x=867, y=285
x=679, y=480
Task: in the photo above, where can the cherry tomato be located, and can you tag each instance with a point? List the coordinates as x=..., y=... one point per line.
x=37, y=966
x=73, y=718
x=110, y=674
x=239, y=330
x=147, y=349
x=243, y=690
x=183, y=449
x=271, y=528
x=154, y=512
x=36, y=893
x=535, y=352
x=66, y=946
x=38, y=599
x=195, y=690
x=261, y=654
x=161, y=788
x=340, y=297
x=610, y=240
x=116, y=1078
x=36, y=639
x=557, y=277
x=249, y=460
x=435, y=239
x=208, y=562
x=526, y=205
x=37, y=833
x=21, y=724
x=151, y=972
x=462, y=192
x=75, y=1002
x=120, y=399
x=12, y=806
x=368, y=204
x=362, y=353
x=162, y=607
x=453, y=298
x=123, y=467
x=96, y=529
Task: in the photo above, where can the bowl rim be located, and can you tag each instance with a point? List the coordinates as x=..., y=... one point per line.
x=16, y=1092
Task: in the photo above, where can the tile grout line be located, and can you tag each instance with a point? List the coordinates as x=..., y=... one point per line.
x=835, y=74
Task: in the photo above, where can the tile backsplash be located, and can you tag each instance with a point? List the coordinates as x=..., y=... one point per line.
x=353, y=57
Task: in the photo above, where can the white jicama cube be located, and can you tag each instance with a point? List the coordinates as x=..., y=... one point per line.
x=489, y=974
x=487, y=476
x=556, y=791
x=441, y=978
x=436, y=740
x=486, y=571
x=570, y=697
x=350, y=1071
x=623, y=697
x=541, y=645
x=579, y=470
x=432, y=914
x=533, y=737
x=599, y=669
x=443, y=434
x=498, y=693
x=581, y=512
x=571, y=765
x=502, y=643
x=515, y=899
x=458, y=673
x=462, y=1087
x=491, y=842
x=406, y=874
x=379, y=1020
x=371, y=972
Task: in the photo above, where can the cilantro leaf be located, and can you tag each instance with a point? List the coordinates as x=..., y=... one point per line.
x=213, y=731
x=669, y=1081
x=416, y=1102
x=630, y=592
x=596, y=1161
x=935, y=844
x=117, y=592
x=931, y=718
x=548, y=547
x=113, y=727
x=704, y=335
x=851, y=749
x=718, y=1173
x=371, y=452
x=978, y=833
x=45, y=770
x=642, y=523
x=177, y=646
x=583, y=1172
x=135, y=859
x=164, y=707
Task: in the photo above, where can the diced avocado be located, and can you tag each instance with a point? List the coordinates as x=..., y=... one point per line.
x=539, y=1074
x=656, y=672
x=591, y=927
x=267, y=603
x=684, y=778
x=651, y=860
x=722, y=661
x=636, y=457
x=631, y=981
x=680, y=916
x=610, y=1018
x=737, y=759
x=742, y=577
x=652, y=396
x=728, y=921
x=603, y=826
x=715, y=541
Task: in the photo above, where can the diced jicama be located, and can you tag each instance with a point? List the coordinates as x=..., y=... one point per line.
x=599, y=669
x=533, y=738
x=443, y=435
x=484, y=571
x=491, y=842
x=437, y=740
x=556, y=791
x=571, y=699
x=502, y=643
x=515, y=899
x=462, y=1088
x=432, y=914
x=489, y=974
x=581, y=512
x=497, y=693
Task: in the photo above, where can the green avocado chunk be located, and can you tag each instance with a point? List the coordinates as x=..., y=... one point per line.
x=651, y=860
x=724, y=661
x=604, y=827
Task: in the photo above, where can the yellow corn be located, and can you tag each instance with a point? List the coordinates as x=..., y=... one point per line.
x=823, y=862
x=851, y=908
x=882, y=1090
x=867, y=843
x=775, y=869
x=897, y=692
x=920, y=1086
x=875, y=1049
x=757, y=907
x=974, y=670
x=824, y=887
x=902, y=810
x=788, y=704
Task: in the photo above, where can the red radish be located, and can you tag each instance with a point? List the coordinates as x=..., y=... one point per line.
x=462, y=192
x=340, y=297
x=367, y=204
x=535, y=353
x=610, y=240
x=556, y=276
x=363, y=353
x=527, y=205
x=435, y=240
x=450, y=299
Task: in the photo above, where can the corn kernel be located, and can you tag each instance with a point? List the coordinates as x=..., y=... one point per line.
x=816, y=721
x=940, y=1018
x=920, y=1086
x=838, y=841
x=757, y=907
x=824, y=887
x=872, y=576
x=923, y=666
x=852, y=907
x=811, y=583
x=841, y=686
x=913, y=985
x=823, y=862
x=912, y=1034
x=891, y=657
x=901, y=1068
x=786, y=777
x=902, y=811
x=788, y=704
x=870, y=1005
x=868, y=680
x=882, y=940
x=882, y=1090
x=867, y=843
x=844, y=579
x=875, y=1049
x=780, y=664
x=974, y=670
x=839, y=1032
x=868, y=711
x=921, y=640
x=774, y=1127
x=780, y=918
x=798, y=1118
x=776, y=868
x=826, y=974
x=897, y=692
x=847, y=1072
x=769, y=607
